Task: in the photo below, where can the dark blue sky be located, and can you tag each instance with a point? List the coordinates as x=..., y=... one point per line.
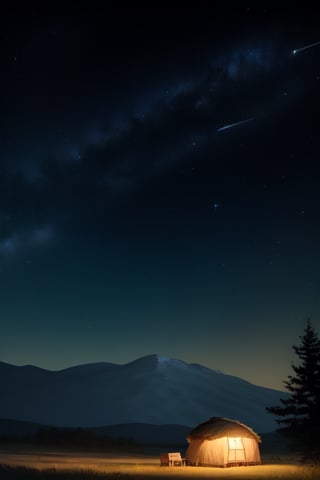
x=131, y=221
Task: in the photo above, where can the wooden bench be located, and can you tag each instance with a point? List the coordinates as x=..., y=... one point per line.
x=172, y=459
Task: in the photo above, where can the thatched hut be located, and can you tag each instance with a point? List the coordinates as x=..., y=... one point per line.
x=222, y=442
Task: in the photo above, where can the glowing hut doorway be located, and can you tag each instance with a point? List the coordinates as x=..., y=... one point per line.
x=236, y=451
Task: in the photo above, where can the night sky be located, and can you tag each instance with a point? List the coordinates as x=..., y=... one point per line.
x=131, y=221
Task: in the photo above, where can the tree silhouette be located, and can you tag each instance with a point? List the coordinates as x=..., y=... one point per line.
x=299, y=415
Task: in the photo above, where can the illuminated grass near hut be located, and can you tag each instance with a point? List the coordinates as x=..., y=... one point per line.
x=144, y=467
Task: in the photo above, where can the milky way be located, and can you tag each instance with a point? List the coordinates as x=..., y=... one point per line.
x=159, y=187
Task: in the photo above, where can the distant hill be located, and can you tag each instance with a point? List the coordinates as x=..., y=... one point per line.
x=18, y=428
x=153, y=389
x=139, y=433
x=147, y=434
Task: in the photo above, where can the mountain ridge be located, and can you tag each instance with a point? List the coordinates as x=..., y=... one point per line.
x=152, y=389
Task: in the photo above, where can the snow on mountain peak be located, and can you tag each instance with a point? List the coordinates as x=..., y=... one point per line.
x=163, y=359
x=170, y=362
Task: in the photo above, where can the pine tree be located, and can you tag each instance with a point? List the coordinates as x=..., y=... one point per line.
x=299, y=415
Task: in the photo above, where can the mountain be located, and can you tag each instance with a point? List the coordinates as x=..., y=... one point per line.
x=153, y=389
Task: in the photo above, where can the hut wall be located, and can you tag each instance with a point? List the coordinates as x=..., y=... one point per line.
x=193, y=452
x=252, y=451
x=208, y=452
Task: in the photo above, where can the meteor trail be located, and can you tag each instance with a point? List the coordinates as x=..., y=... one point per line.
x=305, y=48
x=231, y=125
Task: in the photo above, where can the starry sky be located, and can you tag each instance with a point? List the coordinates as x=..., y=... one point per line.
x=160, y=185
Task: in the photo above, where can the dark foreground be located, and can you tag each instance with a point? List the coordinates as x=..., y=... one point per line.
x=280, y=472
x=30, y=463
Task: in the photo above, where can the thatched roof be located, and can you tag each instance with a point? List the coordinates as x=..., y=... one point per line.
x=218, y=427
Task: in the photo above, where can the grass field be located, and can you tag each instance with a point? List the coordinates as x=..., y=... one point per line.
x=44, y=465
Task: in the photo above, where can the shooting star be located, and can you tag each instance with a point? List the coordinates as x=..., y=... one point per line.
x=298, y=50
x=231, y=125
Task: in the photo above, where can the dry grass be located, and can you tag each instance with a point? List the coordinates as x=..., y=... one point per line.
x=142, y=467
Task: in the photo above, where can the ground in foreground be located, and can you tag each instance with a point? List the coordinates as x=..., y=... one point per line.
x=42, y=465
